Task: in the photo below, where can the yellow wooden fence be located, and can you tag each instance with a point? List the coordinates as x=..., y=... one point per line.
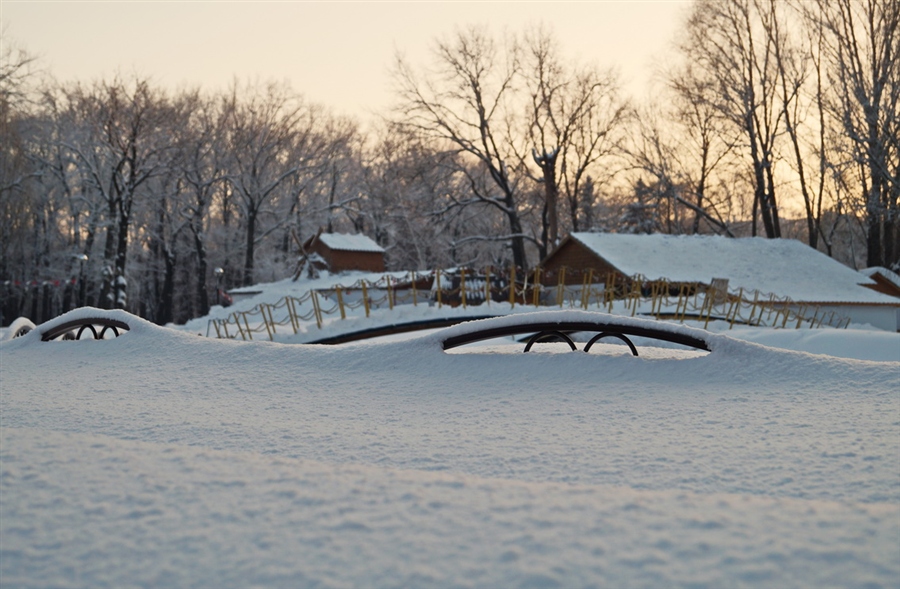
x=634, y=295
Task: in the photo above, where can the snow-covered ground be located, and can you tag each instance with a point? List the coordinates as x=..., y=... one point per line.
x=165, y=459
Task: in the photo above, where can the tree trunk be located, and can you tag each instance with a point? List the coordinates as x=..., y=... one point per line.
x=250, y=247
x=167, y=296
x=547, y=163
x=202, y=268
x=120, y=299
x=106, y=296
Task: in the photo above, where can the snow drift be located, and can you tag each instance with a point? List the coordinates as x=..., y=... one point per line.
x=162, y=458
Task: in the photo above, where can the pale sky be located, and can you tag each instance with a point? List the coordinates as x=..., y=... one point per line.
x=336, y=53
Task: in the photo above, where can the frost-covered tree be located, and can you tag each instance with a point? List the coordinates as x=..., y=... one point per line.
x=123, y=140
x=862, y=57
x=464, y=104
x=575, y=120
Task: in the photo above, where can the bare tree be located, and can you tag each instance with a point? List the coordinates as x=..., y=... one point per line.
x=201, y=141
x=124, y=142
x=862, y=48
x=263, y=128
x=727, y=44
x=575, y=118
x=465, y=103
x=703, y=141
x=15, y=167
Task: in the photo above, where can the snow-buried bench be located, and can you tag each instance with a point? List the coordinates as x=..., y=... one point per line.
x=85, y=323
x=558, y=324
x=19, y=327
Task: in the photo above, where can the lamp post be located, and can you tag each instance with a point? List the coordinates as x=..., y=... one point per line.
x=82, y=258
x=218, y=272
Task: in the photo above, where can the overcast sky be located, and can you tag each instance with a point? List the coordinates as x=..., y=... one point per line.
x=336, y=53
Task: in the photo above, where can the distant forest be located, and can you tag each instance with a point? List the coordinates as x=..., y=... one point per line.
x=772, y=118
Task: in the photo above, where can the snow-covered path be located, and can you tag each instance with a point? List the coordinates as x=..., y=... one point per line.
x=161, y=458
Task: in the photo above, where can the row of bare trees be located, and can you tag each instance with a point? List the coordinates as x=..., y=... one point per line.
x=794, y=103
x=768, y=113
x=120, y=194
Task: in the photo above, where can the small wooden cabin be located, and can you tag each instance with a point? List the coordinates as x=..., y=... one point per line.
x=339, y=252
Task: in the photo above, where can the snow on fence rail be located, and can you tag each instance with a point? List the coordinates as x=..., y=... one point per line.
x=614, y=293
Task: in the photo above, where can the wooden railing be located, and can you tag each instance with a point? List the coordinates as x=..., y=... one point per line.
x=463, y=287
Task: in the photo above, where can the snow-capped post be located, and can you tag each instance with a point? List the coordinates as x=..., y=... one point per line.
x=272, y=321
x=412, y=280
x=247, y=325
x=82, y=258
x=237, y=321
x=773, y=309
x=787, y=314
x=365, y=293
x=662, y=295
x=754, y=307
x=340, y=298
x=609, y=286
x=316, y=310
x=437, y=278
x=462, y=286
x=740, y=299
x=682, y=290
x=536, y=287
x=292, y=312
x=263, y=307
x=219, y=272
x=390, y=293
x=512, y=286
x=561, y=287
x=586, y=289
x=733, y=308
x=708, y=306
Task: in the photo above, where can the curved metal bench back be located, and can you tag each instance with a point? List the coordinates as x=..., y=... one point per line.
x=606, y=329
x=82, y=325
x=22, y=330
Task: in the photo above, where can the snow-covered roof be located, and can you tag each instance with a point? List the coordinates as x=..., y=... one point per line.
x=887, y=274
x=350, y=243
x=784, y=267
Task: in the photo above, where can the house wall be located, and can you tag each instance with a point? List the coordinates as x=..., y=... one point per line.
x=339, y=261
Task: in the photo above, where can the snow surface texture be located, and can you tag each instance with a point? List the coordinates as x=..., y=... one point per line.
x=785, y=267
x=163, y=459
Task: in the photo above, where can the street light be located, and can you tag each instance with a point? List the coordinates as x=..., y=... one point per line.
x=218, y=272
x=82, y=258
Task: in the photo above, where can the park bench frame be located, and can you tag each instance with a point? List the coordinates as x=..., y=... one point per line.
x=67, y=330
x=559, y=329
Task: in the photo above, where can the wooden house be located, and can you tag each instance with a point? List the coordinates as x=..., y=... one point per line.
x=340, y=252
x=781, y=267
